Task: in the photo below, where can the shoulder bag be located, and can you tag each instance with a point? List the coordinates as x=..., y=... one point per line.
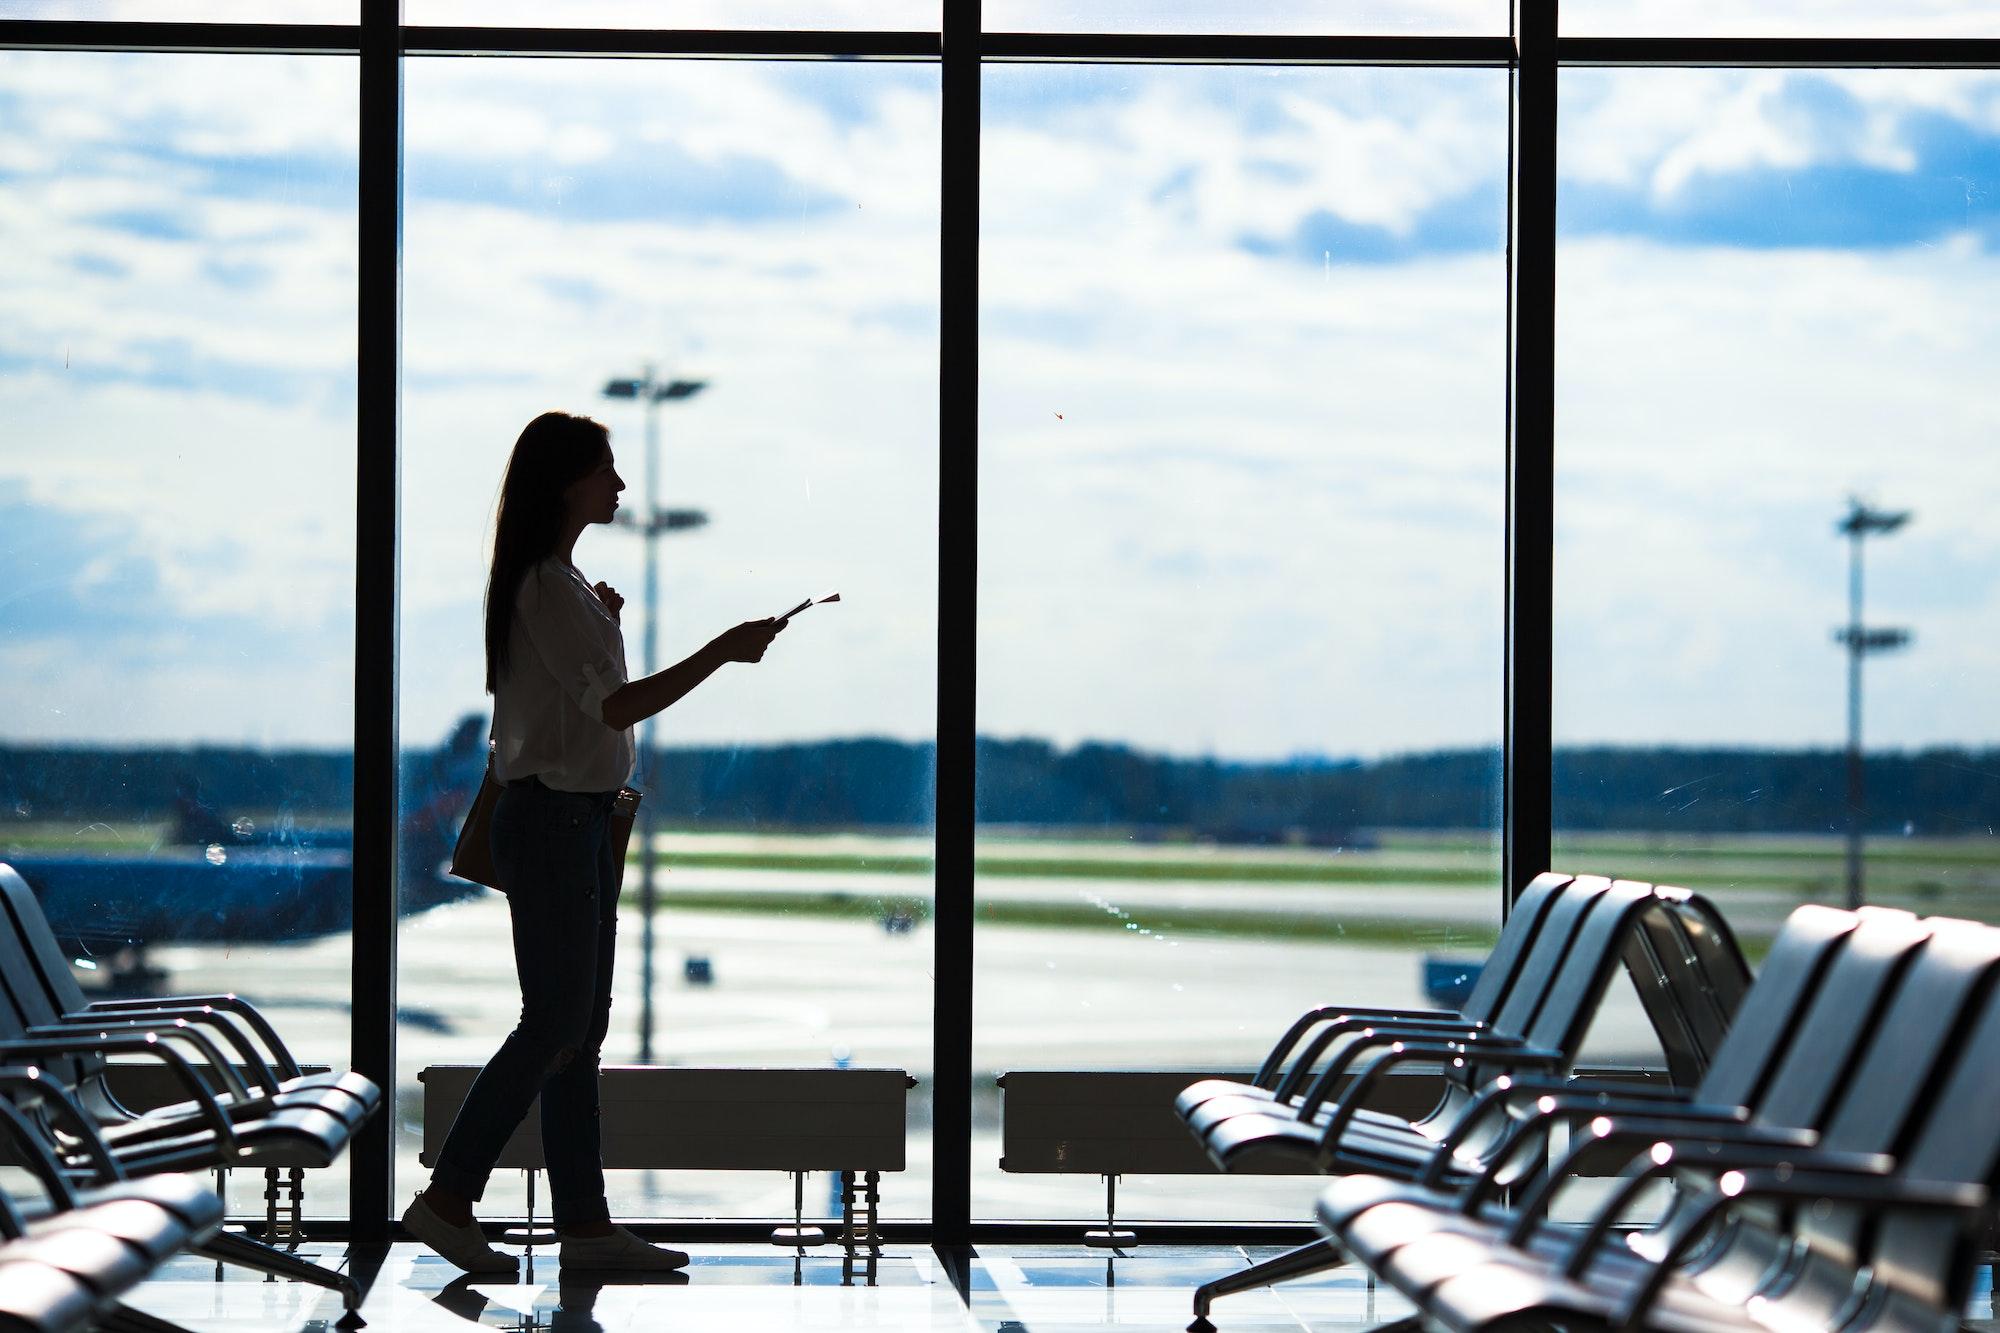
x=472, y=858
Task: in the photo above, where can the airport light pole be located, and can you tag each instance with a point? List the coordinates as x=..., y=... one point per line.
x=1860, y=523
x=651, y=392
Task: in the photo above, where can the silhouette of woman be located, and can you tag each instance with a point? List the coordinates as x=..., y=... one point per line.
x=563, y=712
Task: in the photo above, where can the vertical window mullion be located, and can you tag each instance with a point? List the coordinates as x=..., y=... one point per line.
x=376, y=531
x=958, y=586
x=1531, y=252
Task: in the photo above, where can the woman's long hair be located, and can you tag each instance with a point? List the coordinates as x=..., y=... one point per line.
x=554, y=450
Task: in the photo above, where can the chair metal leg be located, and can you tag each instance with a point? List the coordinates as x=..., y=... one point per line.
x=276, y=1227
x=1313, y=1258
x=860, y=1209
x=231, y=1248
x=222, y=1193
x=798, y=1233
x=873, y=1196
x=1110, y=1237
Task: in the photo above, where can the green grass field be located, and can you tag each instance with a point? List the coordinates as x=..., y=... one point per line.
x=1921, y=867
x=1955, y=876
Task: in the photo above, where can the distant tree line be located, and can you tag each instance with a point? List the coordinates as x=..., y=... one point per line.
x=886, y=784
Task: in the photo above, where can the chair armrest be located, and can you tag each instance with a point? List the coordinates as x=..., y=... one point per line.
x=1403, y=1052
x=1267, y=1074
x=1362, y=1029
x=32, y=1089
x=253, y=1059
x=1576, y=1086
x=1722, y=1142
x=1462, y=1040
x=1537, y=1124
x=1865, y=1187
x=37, y=1157
x=1555, y=1099
x=148, y=1045
x=286, y=1065
x=178, y=1028
x=1714, y=1119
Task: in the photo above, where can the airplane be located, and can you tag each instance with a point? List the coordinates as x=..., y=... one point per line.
x=213, y=880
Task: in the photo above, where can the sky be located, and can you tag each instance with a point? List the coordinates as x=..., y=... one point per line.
x=1242, y=390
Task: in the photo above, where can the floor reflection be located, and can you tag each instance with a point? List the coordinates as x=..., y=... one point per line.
x=1018, y=1288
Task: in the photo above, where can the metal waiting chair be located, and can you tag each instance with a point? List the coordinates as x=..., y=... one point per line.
x=1513, y=1010
x=219, y=1124
x=66, y=1260
x=1870, y=1224
x=274, y=1069
x=1583, y=940
x=1290, y=1063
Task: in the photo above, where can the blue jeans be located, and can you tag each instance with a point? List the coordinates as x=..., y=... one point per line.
x=554, y=854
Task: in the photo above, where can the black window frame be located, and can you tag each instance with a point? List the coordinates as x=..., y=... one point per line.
x=1532, y=52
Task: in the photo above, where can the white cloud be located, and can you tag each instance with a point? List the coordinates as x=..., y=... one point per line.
x=1716, y=407
x=1228, y=501
x=1660, y=130
x=195, y=103
x=1167, y=156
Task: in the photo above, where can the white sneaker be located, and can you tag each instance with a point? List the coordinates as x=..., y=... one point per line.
x=464, y=1246
x=619, y=1252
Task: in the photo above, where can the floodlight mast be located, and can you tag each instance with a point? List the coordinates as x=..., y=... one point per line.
x=1860, y=523
x=651, y=391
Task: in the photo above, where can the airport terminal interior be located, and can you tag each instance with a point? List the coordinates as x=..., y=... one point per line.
x=1383, y=715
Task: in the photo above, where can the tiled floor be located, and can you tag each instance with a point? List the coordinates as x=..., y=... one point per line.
x=747, y=1289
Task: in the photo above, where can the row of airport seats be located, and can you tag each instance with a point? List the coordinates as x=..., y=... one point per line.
x=118, y=1201
x=68, y=1259
x=1831, y=1169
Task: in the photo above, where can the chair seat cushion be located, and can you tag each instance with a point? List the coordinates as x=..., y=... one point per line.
x=1240, y=1142
x=160, y=1215
x=1460, y=1269
x=1465, y=1283
x=351, y=1103
x=35, y=1296
x=101, y=1260
x=289, y=1136
x=149, y=1229
x=1195, y=1094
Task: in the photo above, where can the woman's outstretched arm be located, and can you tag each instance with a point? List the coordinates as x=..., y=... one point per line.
x=638, y=700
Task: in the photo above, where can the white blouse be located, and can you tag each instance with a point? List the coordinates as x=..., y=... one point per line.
x=565, y=657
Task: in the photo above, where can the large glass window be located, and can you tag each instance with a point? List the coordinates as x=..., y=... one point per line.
x=823, y=15
x=768, y=233
x=186, y=11
x=1314, y=17
x=1778, y=301
x=1241, y=485
x=1778, y=18
x=1242, y=346
x=177, y=485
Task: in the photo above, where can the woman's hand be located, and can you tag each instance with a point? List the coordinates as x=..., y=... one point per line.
x=609, y=596
x=747, y=641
